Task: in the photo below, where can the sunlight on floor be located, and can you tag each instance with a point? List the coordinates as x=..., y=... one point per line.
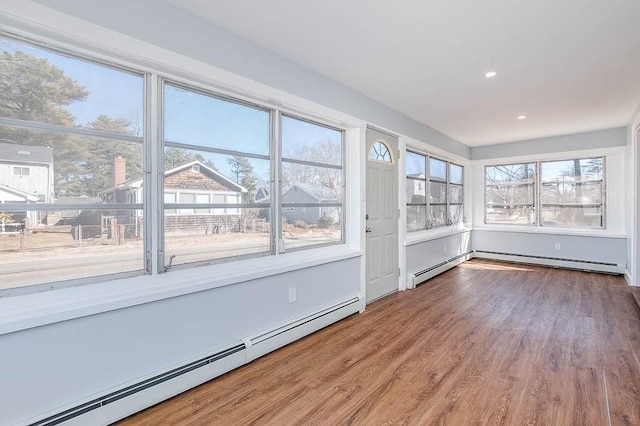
x=494, y=267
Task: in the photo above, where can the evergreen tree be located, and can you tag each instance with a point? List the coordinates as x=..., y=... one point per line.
x=243, y=173
x=174, y=157
x=33, y=89
x=99, y=166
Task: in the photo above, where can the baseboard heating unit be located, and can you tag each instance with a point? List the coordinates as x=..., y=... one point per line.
x=582, y=265
x=147, y=391
x=264, y=343
x=438, y=268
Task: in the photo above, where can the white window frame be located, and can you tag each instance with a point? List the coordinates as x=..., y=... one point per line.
x=282, y=207
x=447, y=181
x=537, y=191
x=534, y=186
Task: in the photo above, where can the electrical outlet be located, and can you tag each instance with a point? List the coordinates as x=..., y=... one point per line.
x=292, y=294
x=558, y=247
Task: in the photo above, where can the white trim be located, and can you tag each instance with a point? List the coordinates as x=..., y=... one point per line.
x=552, y=156
x=549, y=231
x=634, y=227
x=434, y=234
x=402, y=206
x=553, y=262
x=37, y=309
x=424, y=148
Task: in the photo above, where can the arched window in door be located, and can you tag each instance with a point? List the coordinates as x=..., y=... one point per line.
x=380, y=152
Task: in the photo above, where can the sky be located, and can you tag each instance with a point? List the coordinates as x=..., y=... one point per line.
x=190, y=117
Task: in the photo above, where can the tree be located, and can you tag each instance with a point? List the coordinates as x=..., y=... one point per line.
x=33, y=89
x=99, y=167
x=509, y=188
x=244, y=175
x=174, y=157
x=323, y=152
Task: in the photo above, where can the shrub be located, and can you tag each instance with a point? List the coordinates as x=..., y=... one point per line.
x=325, y=221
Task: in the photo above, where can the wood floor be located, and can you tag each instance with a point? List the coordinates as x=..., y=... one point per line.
x=485, y=343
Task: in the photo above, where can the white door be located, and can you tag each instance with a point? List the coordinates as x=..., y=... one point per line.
x=382, y=215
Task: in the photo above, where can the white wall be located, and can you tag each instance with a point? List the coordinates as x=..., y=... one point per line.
x=589, y=248
x=553, y=145
x=425, y=254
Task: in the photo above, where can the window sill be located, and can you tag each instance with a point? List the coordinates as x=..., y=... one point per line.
x=418, y=237
x=549, y=231
x=37, y=309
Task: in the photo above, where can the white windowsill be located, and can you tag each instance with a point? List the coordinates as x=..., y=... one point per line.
x=418, y=237
x=549, y=231
x=37, y=309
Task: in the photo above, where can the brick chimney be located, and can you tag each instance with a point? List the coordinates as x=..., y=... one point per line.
x=119, y=171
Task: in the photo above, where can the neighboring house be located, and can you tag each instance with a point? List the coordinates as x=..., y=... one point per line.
x=305, y=194
x=418, y=192
x=26, y=176
x=191, y=183
x=17, y=220
x=262, y=192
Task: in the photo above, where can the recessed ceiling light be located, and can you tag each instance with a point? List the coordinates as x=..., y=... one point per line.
x=491, y=74
x=522, y=117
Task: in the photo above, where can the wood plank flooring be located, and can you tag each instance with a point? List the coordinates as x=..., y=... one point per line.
x=484, y=343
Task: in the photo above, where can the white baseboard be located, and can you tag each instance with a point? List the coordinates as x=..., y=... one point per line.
x=554, y=262
x=431, y=271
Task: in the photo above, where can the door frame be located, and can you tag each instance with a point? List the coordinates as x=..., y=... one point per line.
x=398, y=163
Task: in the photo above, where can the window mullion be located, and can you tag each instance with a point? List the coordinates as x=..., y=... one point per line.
x=448, y=194
x=277, y=244
x=537, y=195
x=154, y=186
x=427, y=198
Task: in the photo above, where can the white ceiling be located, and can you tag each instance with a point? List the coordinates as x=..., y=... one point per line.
x=569, y=65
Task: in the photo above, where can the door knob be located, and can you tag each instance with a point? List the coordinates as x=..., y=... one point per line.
x=367, y=229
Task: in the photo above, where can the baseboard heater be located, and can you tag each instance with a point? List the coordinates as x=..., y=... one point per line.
x=582, y=265
x=264, y=343
x=109, y=408
x=433, y=270
x=146, y=392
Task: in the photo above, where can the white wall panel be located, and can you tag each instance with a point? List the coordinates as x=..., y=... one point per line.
x=425, y=254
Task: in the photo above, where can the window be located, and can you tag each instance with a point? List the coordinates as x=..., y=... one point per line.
x=438, y=196
x=380, y=152
x=456, y=194
x=82, y=210
x=443, y=204
x=21, y=171
x=570, y=193
x=218, y=148
x=312, y=189
x=75, y=123
x=510, y=194
x=416, y=193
